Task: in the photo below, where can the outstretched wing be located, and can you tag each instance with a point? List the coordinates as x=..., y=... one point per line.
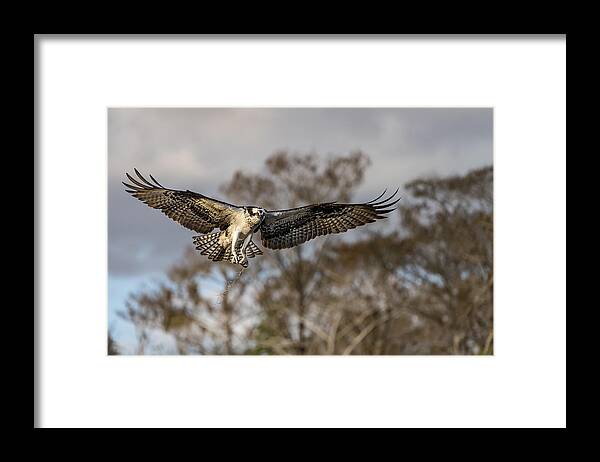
x=192, y=210
x=282, y=229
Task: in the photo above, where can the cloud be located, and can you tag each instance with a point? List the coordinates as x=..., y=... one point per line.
x=200, y=149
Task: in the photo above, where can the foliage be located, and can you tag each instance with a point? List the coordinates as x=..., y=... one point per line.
x=422, y=285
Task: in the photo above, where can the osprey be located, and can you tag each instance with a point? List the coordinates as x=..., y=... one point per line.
x=279, y=229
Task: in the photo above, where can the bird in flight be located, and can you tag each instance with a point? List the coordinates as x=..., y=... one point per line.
x=279, y=229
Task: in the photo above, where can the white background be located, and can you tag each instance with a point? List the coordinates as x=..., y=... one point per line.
x=524, y=384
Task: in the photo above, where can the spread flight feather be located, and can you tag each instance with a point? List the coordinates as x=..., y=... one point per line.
x=279, y=229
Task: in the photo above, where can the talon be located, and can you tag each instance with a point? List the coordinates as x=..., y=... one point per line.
x=234, y=259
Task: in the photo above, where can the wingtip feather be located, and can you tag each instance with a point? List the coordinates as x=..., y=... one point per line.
x=385, y=200
x=144, y=180
x=378, y=197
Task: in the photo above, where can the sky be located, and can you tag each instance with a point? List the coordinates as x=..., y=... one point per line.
x=200, y=149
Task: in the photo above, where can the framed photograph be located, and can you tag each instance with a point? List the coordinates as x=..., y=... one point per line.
x=296, y=246
x=254, y=232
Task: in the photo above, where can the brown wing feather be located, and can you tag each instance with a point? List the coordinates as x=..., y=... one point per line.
x=282, y=229
x=192, y=210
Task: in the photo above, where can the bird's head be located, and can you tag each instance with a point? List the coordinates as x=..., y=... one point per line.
x=255, y=212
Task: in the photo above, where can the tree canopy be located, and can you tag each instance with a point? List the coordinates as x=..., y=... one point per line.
x=423, y=284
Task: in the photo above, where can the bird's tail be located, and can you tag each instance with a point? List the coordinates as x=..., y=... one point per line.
x=210, y=245
x=252, y=250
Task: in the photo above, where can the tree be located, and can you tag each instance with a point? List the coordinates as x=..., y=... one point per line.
x=198, y=310
x=423, y=287
x=449, y=266
x=289, y=293
x=113, y=347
